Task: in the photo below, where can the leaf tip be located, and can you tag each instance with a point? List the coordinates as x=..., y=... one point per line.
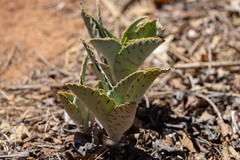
x=70, y=84
x=61, y=93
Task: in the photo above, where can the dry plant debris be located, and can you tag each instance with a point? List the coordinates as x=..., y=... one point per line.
x=190, y=113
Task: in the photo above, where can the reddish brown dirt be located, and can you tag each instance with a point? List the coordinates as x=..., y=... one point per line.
x=35, y=25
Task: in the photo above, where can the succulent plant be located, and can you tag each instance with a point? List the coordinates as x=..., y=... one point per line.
x=114, y=106
x=123, y=56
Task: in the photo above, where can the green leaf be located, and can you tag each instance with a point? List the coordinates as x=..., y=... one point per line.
x=85, y=116
x=144, y=30
x=69, y=96
x=130, y=29
x=95, y=28
x=110, y=35
x=120, y=119
x=98, y=103
x=83, y=70
x=109, y=47
x=132, y=56
x=98, y=69
x=115, y=119
x=133, y=87
x=99, y=14
x=79, y=115
x=143, y=82
x=105, y=32
x=121, y=89
x=106, y=70
x=91, y=24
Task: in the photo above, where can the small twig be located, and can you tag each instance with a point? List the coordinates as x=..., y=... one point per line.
x=206, y=64
x=154, y=94
x=42, y=116
x=39, y=86
x=212, y=104
x=102, y=153
x=6, y=137
x=25, y=113
x=165, y=79
x=217, y=94
x=66, y=60
x=44, y=60
x=4, y=95
x=195, y=45
x=52, y=66
x=32, y=86
x=16, y=155
x=57, y=155
x=146, y=100
x=173, y=49
x=175, y=126
x=47, y=123
x=48, y=146
x=209, y=57
x=11, y=55
x=189, y=76
x=46, y=126
x=235, y=122
x=7, y=63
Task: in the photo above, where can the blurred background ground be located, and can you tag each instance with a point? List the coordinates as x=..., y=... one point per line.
x=190, y=112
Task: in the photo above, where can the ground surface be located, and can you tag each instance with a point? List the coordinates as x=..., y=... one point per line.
x=191, y=112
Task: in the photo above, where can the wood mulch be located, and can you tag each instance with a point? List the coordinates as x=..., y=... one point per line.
x=191, y=112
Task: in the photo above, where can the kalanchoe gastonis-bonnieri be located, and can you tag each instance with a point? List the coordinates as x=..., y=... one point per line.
x=114, y=106
x=123, y=56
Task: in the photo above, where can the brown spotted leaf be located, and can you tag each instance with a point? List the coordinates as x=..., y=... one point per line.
x=150, y=28
x=133, y=87
x=115, y=119
x=109, y=47
x=98, y=103
x=76, y=110
x=131, y=28
x=95, y=28
x=98, y=69
x=120, y=120
x=130, y=57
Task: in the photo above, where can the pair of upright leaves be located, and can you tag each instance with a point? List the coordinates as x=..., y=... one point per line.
x=124, y=60
x=115, y=105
